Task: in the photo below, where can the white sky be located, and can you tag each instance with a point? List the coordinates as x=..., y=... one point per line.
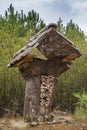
x=51, y=10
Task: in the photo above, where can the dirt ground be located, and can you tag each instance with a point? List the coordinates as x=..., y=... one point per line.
x=61, y=121
x=18, y=124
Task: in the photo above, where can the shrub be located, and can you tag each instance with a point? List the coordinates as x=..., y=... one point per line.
x=81, y=109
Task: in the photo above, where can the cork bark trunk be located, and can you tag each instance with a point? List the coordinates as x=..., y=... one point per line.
x=38, y=97
x=32, y=99
x=40, y=77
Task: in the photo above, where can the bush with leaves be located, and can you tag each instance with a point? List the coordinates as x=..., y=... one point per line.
x=81, y=109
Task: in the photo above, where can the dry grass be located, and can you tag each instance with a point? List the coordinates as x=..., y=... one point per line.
x=18, y=124
x=13, y=124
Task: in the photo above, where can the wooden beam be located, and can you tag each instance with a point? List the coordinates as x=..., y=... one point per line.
x=28, y=58
x=70, y=58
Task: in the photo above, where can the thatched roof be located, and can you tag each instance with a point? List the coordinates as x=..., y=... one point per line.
x=45, y=45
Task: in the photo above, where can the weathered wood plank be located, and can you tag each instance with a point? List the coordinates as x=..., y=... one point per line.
x=70, y=57
x=27, y=49
x=50, y=43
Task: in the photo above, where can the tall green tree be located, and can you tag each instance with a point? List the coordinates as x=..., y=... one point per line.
x=60, y=26
x=14, y=32
x=75, y=79
x=15, y=29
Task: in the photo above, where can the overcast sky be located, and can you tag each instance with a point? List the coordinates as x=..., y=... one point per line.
x=51, y=10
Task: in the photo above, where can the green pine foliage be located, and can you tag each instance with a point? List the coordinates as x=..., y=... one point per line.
x=75, y=79
x=15, y=29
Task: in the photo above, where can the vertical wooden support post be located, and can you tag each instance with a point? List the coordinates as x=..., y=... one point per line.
x=32, y=99
x=46, y=94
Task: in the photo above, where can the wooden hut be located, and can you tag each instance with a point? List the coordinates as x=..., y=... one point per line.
x=45, y=56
